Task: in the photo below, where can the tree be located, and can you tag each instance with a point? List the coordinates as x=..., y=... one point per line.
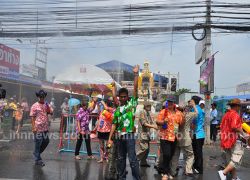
x=181, y=91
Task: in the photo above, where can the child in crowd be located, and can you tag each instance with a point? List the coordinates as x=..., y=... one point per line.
x=18, y=115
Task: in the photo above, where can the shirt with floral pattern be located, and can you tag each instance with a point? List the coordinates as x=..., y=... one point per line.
x=173, y=121
x=39, y=111
x=124, y=117
x=3, y=104
x=82, y=116
x=104, y=124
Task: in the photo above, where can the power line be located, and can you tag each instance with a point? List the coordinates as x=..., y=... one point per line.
x=96, y=19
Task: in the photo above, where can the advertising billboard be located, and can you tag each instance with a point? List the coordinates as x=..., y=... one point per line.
x=207, y=76
x=242, y=88
x=30, y=69
x=173, y=84
x=9, y=62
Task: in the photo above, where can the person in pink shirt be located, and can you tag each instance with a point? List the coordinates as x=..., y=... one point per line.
x=82, y=130
x=103, y=127
x=40, y=125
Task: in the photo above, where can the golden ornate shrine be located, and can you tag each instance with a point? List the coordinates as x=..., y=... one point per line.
x=145, y=82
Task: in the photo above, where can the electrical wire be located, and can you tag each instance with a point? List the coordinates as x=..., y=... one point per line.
x=50, y=18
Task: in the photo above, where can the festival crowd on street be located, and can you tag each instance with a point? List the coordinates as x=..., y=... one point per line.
x=180, y=132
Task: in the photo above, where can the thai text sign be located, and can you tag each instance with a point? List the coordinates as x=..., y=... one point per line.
x=9, y=61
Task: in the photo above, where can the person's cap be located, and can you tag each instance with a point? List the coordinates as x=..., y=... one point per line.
x=41, y=93
x=235, y=101
x=202, y=102
x=170, y=99
x=248, y=107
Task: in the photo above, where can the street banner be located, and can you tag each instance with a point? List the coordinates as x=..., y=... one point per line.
x=207, y=76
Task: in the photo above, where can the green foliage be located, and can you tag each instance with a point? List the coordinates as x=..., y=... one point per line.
x=181, y=91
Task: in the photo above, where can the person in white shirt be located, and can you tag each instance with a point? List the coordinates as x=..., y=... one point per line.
x=65, y=113
x=213, y=122
x=53, y=106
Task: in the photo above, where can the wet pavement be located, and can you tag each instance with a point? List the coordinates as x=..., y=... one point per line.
x=17, y=163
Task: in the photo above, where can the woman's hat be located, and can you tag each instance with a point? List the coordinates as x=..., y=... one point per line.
x=235, y=101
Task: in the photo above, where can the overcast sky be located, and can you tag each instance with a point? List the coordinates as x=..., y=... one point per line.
x=231, y=65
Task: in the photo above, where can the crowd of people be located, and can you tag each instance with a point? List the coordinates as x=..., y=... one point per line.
x=17, y=111
x=180, y=129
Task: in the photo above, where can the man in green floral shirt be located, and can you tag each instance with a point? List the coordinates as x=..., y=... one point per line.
x=124, y=117
x=123, y=123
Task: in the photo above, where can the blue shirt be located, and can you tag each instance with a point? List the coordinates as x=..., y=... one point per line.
x=246, y=117
x=199, y=123
x=213, y=116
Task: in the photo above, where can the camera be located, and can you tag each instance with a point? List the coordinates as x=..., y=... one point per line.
x=2, y=92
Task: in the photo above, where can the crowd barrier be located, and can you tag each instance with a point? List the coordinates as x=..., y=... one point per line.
x=68, y=139
x=70, y=136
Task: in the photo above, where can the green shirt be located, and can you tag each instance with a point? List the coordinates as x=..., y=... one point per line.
x=124, y=117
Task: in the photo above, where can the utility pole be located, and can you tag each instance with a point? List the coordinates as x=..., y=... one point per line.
x=208, y=54
x=169, y=83
x=53, y=82
x=178, y=81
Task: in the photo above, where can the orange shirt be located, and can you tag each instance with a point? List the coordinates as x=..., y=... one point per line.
x=173, y=120
x=18, y=114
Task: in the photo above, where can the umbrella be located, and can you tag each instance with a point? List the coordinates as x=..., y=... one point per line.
x=73, y=102
x=84, y=74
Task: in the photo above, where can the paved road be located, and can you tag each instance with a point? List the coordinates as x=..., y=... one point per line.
x=17, y=163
